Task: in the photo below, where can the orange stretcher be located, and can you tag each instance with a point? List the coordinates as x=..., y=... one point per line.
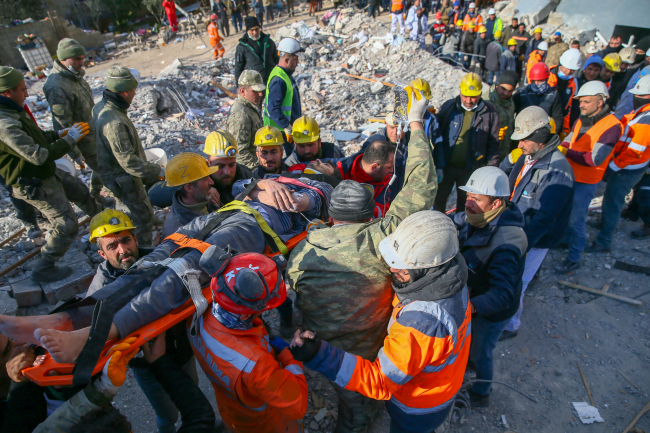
x=52, y=373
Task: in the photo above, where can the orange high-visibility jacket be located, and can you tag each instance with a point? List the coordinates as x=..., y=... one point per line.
x=534, y=58
x=572, y=90
x=478, y=20
x=396, y=6
x=256, y=391
x=633, y=149
x=213, y=32
x=421, y=366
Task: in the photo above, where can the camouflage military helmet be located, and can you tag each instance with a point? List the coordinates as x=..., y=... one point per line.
x=253, y=79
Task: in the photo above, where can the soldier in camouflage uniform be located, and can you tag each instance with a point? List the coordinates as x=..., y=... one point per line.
x=27, y=157
x=71, y=101
x=245, y=119
x=343, y=284
x=124, y=169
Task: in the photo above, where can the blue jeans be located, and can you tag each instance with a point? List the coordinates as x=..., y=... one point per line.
x=401, y=422
x=485, y=335
x=237, y=21
x=166, y=411
x=269, y=13
x=372, y=10
x=619, y=184
x=576, y=235
x=362, y=3
x=492, y=75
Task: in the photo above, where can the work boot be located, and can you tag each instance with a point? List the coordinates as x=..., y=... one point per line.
x=286, y=327
x=478, y=400
x=566, y=266
x=642, y=233
x=33, y=231
x=597, y=248
x=45, y=272
x=506, y=335
x=596, y=223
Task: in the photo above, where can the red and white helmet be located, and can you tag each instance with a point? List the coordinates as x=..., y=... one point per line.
x=213, y=17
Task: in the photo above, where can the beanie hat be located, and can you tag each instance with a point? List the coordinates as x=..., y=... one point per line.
x=351, y=202
x=594, y=59
x=508, y=77
x=643, y=44
x=120, y=79
x=251, y=22
x=69, y=48
x=9, y=78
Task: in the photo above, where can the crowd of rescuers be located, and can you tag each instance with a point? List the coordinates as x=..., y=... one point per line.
x=390, y=309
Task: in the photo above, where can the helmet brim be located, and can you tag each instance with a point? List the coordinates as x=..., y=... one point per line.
x=390, y=255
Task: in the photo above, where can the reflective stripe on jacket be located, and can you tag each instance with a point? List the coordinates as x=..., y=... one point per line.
x=256, y=391
x=213, y=32
x=477, y=20
x=632, y=152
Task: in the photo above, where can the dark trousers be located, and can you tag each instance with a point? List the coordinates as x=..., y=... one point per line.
x=640, y=205
x=260, y=18
x=237, y=22
x=24, y=211
x=372, y=10
x=485, y=335
x=356, y=412
x=402, y=422
x=451, y=176
x=269, y=12
x=285, y=309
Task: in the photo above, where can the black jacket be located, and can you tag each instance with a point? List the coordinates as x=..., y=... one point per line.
x=327, y=150
x=495, y=256
x=179, y=215
x=225, y=194
x=550, y=101
x=467, y=42
x=261, y=56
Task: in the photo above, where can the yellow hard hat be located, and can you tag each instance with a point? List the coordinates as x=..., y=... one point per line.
x=538, y=30
x=187, y=167
x=471, y=24
x=471, y=85
x=551, y=123
x=459, y=23
x=221, y=144
x=268, y=136
x=423, y=86
x=305, y=130
x=497, y=34
x=482, y=29
x=613, y=62
x=109, y=221
x=512, y=41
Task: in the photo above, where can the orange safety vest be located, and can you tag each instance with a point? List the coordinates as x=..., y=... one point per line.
x=478, y=20
x=256, y=391
x=213, y=32
x=632, y=151
x=584, y=173
x=396, y=6
x=534, y=58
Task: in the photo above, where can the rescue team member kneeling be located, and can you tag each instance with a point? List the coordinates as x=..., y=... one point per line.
x=258, y=385
x=421, y=365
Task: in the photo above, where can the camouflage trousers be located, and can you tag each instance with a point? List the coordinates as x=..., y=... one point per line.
x=53, y=199
x=89, y=152
x=132, y=199
x=356, y=411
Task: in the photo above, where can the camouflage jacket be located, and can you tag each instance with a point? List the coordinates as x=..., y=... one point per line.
x=344, y=285
x=119, y=150
x=71, y=101
x=243, y=122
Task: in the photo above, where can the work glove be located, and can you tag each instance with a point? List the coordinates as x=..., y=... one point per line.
x=288, y=132
x=439, y=174
x=114, y=372
x=502, y=132
x=78, y=131
x=419, y=105
x=278, y=344
x=514, y=155
x=62, y=133
x=305, y=346
x=563, y=149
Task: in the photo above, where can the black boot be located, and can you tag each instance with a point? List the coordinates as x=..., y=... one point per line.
x=33, y=231
x=45, y=272
x=478, y=400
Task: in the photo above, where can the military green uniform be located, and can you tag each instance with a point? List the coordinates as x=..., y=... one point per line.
x=27, y=154
x=343, y=284
x=71, y=101
x=124, y=168
x=243, y=122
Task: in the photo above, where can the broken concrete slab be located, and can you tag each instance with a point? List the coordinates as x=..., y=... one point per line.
x=76, y=283
x=173, y=69
x=532, y=12
x=8, y=305
x=73, y=257
x=27, y=293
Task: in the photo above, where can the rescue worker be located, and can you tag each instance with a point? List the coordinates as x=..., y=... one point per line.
x=343, y=283
x=258, y=385
x=494, y=244
x=612, y=65
x=420, y=367
x=509, y=60
x=215, y=40
x=541, y=181
x=397, y=16
x=620, y=79
x=472, y=16
x=522, y=37
x=470, y=139
x=480, y=51
x=124, y=169
x=500, y=95
x=308, y=144
x=541, y=94
x=282, y=104
x=269, y=142
x=614, y=46
x=534, y=42
x=255, y=50
x=222, y=151
x=589, y=148
x=456, y=14
x=562, y=77
x=493, y=59
x=244, y=119
x=437, y=31
x=190, y=173
x=467, y=44
x=27, y=157
x=71, y=101
x=535, y=56
x=170, y=10
x=556, y=47
x=509, y=30
x=625, y=105
x=493, y=25
x=628, y=165
x=590, y=71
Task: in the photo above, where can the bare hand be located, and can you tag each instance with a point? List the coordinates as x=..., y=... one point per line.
x=298, y=337
x=281, y=197
x=155, y=350
x=215, y=198
x=321, y=166
x=21, y=357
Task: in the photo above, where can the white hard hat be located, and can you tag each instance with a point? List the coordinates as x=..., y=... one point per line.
x=642, y=87
x=593, y=88
x=628, y=55
x=423, y=240
x=290, y=45
x=571, y=59
x=492, y=12
x=529, y=120
x=472, y=5
x=543, y=46
x=490, y=181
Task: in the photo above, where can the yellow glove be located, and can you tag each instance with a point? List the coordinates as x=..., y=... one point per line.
x=115, y=368
x=502, y=132
x=514, y=155
x=563, y=149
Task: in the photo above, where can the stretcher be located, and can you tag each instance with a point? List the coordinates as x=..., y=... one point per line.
x=52, y=373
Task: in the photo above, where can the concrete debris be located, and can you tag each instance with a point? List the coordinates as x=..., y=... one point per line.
x=588, y=414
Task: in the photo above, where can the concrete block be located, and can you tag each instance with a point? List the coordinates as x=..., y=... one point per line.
x=73, y=257
x=27, y=293
x=532, y=12
x=78, y=282
x=8, y=305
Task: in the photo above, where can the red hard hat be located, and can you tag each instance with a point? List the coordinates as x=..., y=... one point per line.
x=213, y=17
x=250, y=283
x=539, y=71
x=438, y=15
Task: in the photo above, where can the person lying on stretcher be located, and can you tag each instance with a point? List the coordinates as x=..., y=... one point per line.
x=279, y=202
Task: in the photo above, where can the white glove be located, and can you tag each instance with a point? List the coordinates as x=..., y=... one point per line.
x=288, y=131
x=63, y=132
x=78, y=131
x=418, y=108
